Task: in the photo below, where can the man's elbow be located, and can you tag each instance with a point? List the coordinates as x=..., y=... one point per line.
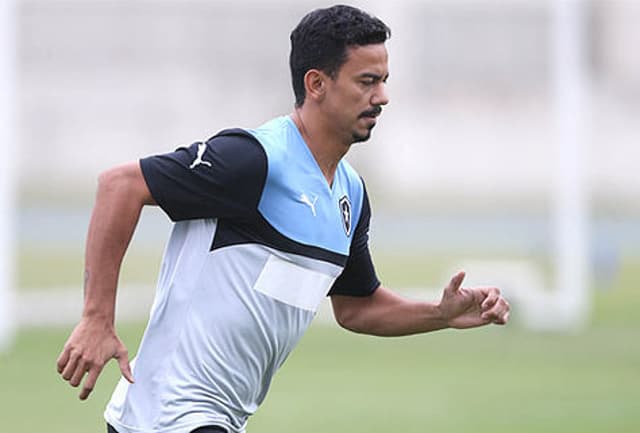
x=349, y=319
x=126, y=181
x=111, y=179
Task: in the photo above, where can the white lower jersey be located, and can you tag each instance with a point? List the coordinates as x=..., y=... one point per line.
x=217, y=319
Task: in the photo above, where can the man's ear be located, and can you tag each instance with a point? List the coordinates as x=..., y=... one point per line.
x=315, y=84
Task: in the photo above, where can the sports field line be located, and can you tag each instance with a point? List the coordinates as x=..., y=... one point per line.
x=63, y=306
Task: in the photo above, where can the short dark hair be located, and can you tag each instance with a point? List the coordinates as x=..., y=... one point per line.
x=321, y=39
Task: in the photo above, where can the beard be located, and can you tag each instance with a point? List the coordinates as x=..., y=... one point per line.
x=359, y=137
x=374, y=112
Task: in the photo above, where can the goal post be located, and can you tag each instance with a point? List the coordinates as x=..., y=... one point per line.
x=567, y=304
x=7, y=169
x=571, y=198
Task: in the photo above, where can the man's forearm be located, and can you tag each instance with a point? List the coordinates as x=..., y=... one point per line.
x=386, y=313
x=113, y=221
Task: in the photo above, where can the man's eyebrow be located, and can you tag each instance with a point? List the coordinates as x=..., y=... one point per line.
x=376, y=77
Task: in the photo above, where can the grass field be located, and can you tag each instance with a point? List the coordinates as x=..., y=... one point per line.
x=488, y=380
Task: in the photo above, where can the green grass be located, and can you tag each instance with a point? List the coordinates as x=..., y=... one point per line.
x=481, y=381
x=487, y=380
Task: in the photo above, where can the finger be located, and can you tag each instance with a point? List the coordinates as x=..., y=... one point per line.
x=491, y=298
x=81, y=369
x=456, y=281
x=70, y=368
x=62, y=360
x=90, y=382
x=504, y=317
x=491, y=314
x=125, y=367
x=497, y=312
x=502, y=320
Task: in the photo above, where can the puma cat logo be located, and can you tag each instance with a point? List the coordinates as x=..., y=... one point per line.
x=312, y=204
x=202, y=147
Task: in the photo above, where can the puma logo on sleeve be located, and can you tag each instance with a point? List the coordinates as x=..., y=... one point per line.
x=202, y=147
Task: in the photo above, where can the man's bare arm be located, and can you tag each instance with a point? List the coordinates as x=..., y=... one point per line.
x=122, y=192
x=386, y=313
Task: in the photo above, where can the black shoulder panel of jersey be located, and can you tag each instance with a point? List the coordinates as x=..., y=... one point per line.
x=220, y=178
x=359, y=276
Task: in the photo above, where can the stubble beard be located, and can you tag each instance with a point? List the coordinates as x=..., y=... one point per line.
x=359, y=138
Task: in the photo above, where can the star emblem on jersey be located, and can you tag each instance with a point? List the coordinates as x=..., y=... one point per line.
x=202, y=147
x=304, y=198
x=345, y=210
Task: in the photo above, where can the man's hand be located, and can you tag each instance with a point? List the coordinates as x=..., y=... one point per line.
x=468, y=308
x=91, y=345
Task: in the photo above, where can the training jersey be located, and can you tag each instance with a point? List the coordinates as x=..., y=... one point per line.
x=259, y=239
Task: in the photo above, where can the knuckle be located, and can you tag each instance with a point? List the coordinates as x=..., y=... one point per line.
x=90, y=360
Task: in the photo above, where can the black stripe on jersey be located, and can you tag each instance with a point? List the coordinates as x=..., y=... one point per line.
x=259, y=231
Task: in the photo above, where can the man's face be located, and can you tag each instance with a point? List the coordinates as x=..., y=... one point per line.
x=354, y=99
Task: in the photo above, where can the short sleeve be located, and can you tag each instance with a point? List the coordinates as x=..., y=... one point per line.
x=222, y=177
x=358, y=277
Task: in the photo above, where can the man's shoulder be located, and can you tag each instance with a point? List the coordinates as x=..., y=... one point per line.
x=237, y=134
x=272, y=132
x=282, y=143
x=236, y=144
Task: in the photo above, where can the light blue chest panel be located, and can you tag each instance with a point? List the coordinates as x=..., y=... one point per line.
x=297, y=200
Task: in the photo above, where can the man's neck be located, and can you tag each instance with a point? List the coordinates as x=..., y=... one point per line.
x=326, y=149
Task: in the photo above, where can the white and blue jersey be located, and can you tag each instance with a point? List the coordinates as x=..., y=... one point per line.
x=260, y=238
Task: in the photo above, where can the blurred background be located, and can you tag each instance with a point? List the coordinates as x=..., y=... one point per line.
x=509, y=149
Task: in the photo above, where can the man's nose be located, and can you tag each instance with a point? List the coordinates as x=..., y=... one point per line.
x=380, y=97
